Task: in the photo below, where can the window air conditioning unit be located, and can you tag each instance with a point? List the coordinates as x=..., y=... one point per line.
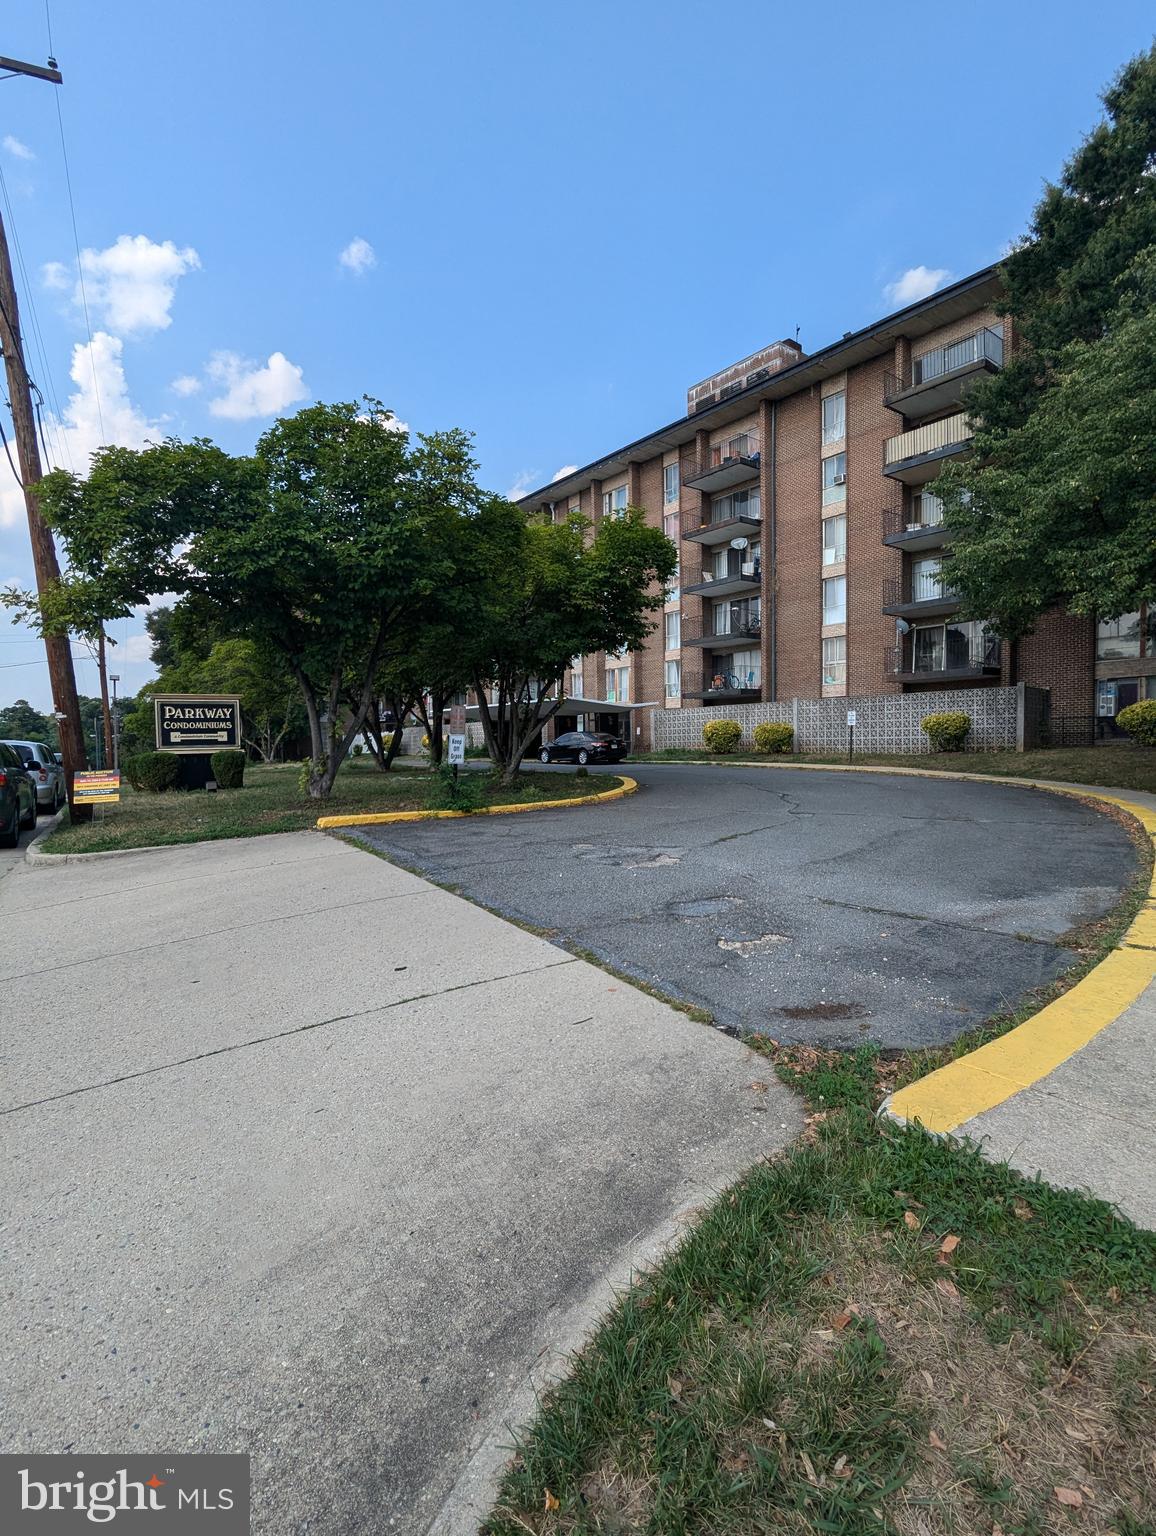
x=839, y=480
x=731, y=389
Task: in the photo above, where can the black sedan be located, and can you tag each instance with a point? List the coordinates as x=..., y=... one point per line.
x=583, y=747
x=17, y=797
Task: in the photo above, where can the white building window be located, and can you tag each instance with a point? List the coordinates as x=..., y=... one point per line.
x=835, y=661
x=670, y=483
x=673, y=679
x=927, y=580
x=673, y=623
x=576, y=677
x=834, y=418
x=673, y=589
x=834, y=479
x=617, y=685
x=670, y=526
x=835, y=600
x=835, y=539
x=614, y=502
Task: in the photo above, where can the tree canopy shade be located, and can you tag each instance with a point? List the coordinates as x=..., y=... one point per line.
x=549, y=592
x=1056, y=505
x=313, y=548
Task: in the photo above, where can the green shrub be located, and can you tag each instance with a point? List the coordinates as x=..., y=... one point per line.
x=1139, y=720
x=722, y=735
x=947, y=732
x=581, y=773
x=229, y=769
x=358, y=749
x=774, y=736
x=152, y=772
x=445, y=793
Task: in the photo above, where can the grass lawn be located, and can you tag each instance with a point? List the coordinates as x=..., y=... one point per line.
x=876, y=1333
x=271, y=801
x=1117, y=766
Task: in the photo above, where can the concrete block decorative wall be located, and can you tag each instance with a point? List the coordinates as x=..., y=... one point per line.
x=1002, y=720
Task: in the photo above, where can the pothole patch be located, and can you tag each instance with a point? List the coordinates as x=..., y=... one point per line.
x=627, y=858
x=748, y=947
x=706, y=906
x=824, y=1009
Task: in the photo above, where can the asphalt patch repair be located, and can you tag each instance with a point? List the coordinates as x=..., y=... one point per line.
x=833, y=909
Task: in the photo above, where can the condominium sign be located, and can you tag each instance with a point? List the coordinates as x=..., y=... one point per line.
x=188, y=722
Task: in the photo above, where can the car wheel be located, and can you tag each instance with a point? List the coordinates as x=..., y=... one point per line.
x=584, y=756
x=57, y=799
x=544, y=756
x=30, y=819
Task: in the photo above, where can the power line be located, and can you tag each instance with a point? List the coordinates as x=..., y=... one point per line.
x=37, y=335
x=80, y=268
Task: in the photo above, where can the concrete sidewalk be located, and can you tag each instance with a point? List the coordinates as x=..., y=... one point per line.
x=1090, y=1122
x=308, y=1158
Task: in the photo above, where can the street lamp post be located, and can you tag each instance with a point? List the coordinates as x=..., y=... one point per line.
x=114, y=679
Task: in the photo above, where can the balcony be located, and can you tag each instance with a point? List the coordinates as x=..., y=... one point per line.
x=727, y=687
x=916, y=456
x=927, y=597
x=728, y=463
x=948, y=653
x=938, y=379
x=744, y=629
x=739, y=577
x=915, y=527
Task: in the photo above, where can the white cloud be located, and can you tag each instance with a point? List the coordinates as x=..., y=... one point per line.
x=132, y=283
x=916, y=283
x=99, y=411
x=16, y=149
x=358, y=256
x=521, y=485
x=54, y=274
x=394, y=425
x=253, y=389
x=187, y=384
x=567, y=469
x=134, y=648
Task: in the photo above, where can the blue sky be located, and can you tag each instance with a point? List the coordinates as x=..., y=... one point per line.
x=555, y=218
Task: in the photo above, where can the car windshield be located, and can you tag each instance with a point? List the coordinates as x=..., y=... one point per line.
x=26, y=755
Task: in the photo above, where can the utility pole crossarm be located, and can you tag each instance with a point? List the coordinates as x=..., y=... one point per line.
x=37, y=71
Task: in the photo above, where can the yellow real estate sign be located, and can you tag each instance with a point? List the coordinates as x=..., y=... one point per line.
x=96, y=788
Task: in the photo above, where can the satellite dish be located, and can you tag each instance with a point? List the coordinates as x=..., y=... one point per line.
x=739, y=543
x=901, y=626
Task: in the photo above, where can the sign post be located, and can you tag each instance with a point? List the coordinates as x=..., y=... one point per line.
x=193, y=726
x=457, y=738
x=852, y=722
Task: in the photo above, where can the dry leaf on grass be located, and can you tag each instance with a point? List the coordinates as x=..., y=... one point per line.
x=551, y=1502
x=948, y=1287
x=937, y=1440
x=675, y=1387
x=809, y=1468
x=911, y=1220
x=1023, y=1211
x=948, y=1246
x=1070, y=1497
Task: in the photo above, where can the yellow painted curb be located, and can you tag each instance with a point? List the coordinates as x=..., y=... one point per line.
x=326, y=823
x=950, y=1097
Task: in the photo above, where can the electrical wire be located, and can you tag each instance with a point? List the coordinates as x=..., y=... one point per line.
x=80, y=268
x=30, y=306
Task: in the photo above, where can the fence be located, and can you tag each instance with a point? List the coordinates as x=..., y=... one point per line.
x=1002, y=720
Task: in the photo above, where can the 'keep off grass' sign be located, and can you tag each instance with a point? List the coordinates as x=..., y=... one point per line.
x=189, y=722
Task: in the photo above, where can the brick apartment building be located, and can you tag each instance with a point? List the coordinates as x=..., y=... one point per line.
x=800, y=491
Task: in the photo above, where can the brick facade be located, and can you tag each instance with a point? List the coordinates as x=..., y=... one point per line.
x=882, y=659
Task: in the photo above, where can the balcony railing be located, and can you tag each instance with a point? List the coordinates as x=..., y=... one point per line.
x=960, y=655
x=729, y=462
x=740, y=575
x=723, y=686
x=917, y=526
x=980, y=348
x=924, y=591
x=926, y=445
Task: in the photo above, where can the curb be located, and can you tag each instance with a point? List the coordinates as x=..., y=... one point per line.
x=32, y=854
x=991, y=1074
x=383, y=818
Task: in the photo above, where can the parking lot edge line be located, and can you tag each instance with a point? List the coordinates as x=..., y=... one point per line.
x=384, y=818
x=954, y=1094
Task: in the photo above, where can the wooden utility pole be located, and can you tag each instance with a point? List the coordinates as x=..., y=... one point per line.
x=59, y=648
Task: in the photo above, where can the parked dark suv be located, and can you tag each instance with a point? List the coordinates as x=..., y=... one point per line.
x=17, y=797
x=583, y=747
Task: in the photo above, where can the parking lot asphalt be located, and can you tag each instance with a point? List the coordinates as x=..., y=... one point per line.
x=829, y=908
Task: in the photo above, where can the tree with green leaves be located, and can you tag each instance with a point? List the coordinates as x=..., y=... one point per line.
x=313, y=547
x=1056, y=506
x=19, y=721
x=539, y=594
